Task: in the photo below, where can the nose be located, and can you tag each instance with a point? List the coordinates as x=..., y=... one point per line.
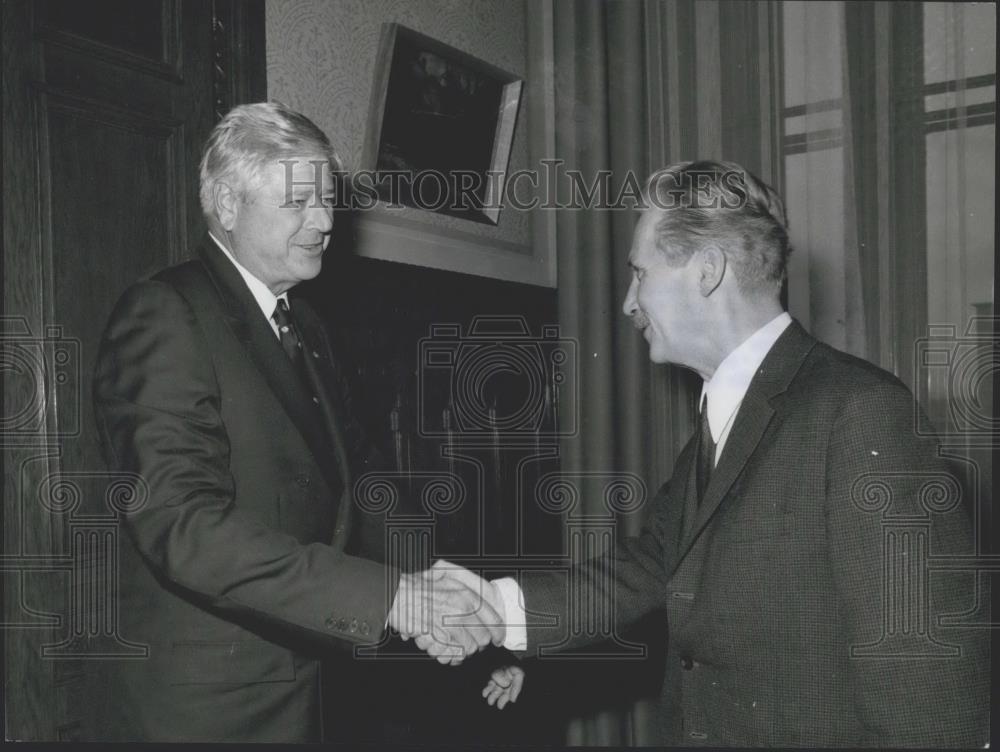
x=631, y=304
x=320, y=218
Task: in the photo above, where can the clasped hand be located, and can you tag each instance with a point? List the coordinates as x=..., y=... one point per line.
x=449, y=611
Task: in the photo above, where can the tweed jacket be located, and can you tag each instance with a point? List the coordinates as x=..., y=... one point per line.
x=799, y=607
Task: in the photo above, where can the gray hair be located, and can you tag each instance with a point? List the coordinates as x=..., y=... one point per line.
x=725, y=204
x=250, y=138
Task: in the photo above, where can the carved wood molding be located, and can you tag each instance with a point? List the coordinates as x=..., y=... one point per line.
x=239, y=70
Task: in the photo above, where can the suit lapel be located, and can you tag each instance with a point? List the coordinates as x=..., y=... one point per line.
x=754, y=416
x=319, y=359
x=681, y=507
x=752, y=420
x=251, y=328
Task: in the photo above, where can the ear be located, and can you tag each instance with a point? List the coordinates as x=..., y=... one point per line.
x=713, y=269
x=226, y=204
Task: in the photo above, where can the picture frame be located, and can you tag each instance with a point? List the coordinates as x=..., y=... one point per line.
x=441, y=127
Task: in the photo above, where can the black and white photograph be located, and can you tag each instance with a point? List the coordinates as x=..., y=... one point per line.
x=445, y=121
x=499, y=374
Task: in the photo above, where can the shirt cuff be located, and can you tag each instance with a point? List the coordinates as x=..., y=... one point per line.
x=514, y=618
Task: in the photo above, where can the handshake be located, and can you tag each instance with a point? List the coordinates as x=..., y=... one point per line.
x=449, y=611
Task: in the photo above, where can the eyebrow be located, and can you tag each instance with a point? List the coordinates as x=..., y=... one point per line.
x=306, y=193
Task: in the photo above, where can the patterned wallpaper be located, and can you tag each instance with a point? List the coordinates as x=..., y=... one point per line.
x=321, y=57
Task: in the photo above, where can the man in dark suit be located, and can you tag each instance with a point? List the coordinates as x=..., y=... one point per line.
x=221, y=392
x=790, y=548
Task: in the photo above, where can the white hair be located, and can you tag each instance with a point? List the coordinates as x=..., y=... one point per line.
x=250, y=138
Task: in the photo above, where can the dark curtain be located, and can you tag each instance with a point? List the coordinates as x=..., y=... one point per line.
x=639, y=85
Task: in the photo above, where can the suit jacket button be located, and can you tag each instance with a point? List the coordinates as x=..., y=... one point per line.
x=354, y=625
x=302, y=480
x=686, y=663
x=316, y=400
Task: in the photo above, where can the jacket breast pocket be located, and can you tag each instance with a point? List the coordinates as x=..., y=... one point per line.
x=752, y=518
x=772, y=504
x=234, y=662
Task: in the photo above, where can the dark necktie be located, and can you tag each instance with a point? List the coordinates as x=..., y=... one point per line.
x=289, y=335
x=706, y=451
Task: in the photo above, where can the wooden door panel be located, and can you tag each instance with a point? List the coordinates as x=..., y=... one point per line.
x=139, y=211
x=146, y=29
x=106, y=106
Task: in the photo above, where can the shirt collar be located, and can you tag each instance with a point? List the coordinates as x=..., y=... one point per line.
x=732, y=378
x=266, y=299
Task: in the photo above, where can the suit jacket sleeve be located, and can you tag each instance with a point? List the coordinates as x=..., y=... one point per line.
x=158, y=410
x=877, y=468
x=563, y=608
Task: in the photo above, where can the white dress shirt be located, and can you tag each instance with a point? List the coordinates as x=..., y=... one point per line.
x=266, y=299
x=728, y=385
x=725, y=391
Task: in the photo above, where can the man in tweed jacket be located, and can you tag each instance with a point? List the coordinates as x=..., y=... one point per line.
x=800, y=610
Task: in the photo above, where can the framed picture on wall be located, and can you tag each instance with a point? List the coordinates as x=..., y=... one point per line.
x=441, y=127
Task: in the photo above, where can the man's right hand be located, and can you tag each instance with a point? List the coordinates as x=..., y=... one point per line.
x=450, y=611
